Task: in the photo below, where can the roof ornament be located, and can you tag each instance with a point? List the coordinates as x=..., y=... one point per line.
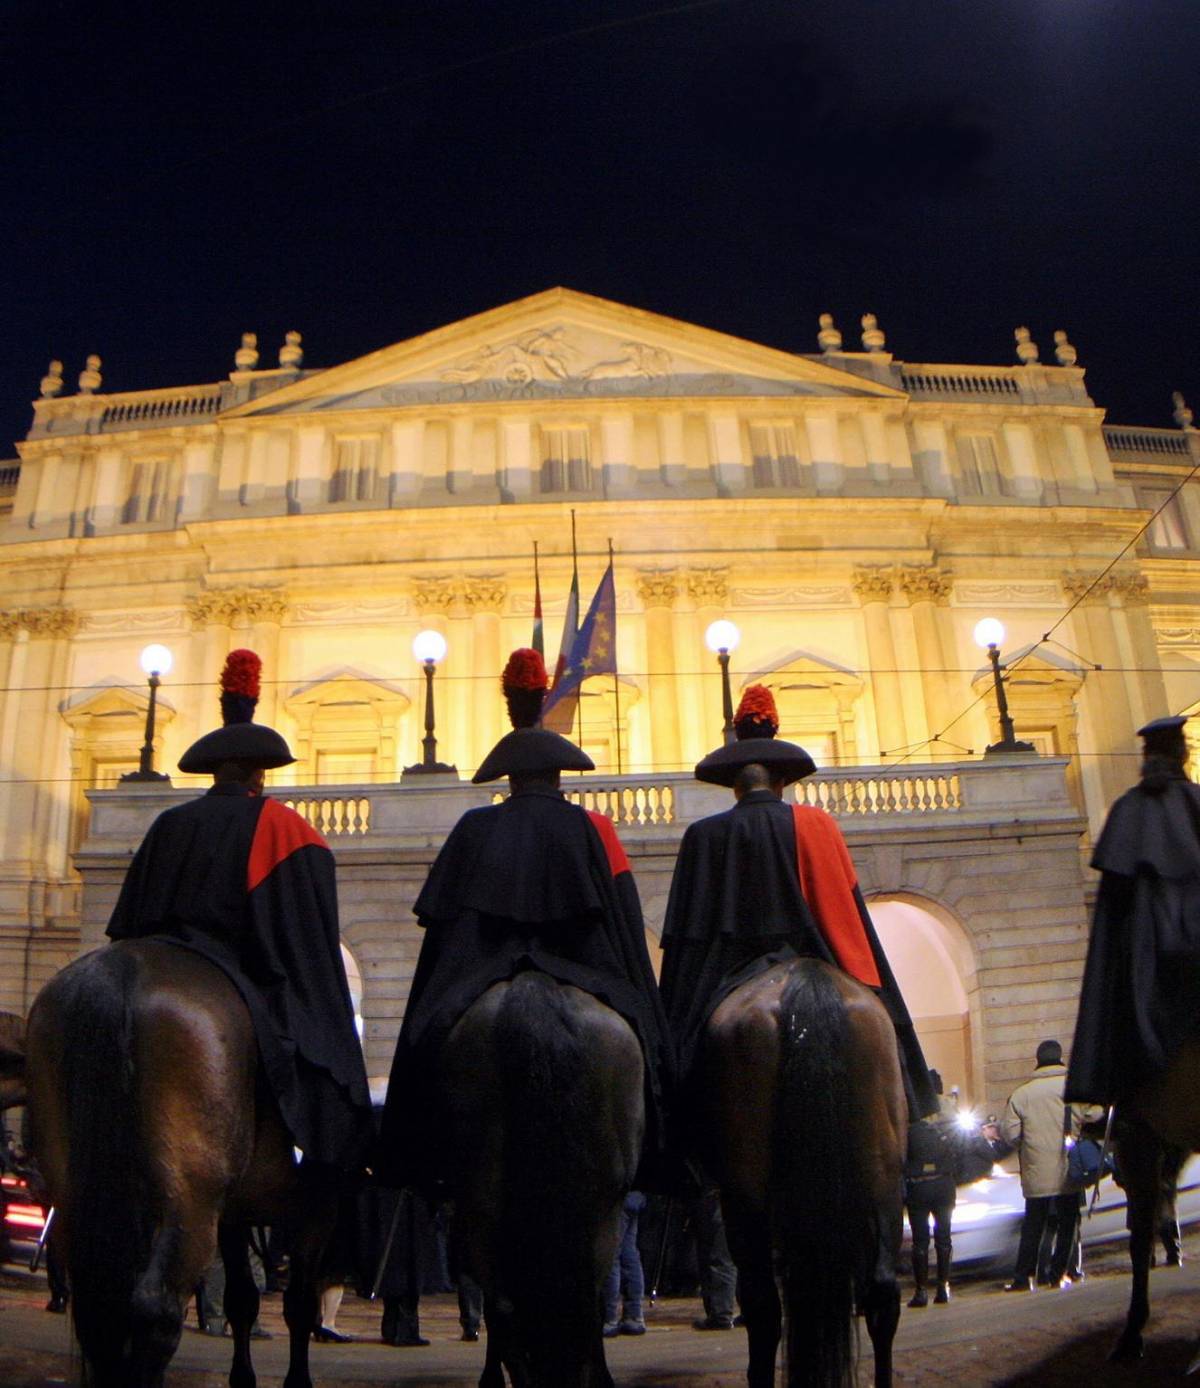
x=872, y=338
x=291, y=354
x=1027, y=349
x=828, y=339
x=246, y=356
x=1183, y=416
x=52, y=381
x=1063, y=349
x=89, y=377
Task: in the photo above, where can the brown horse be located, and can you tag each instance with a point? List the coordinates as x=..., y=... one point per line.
x=804, y=1130
x=1155, y=1129
x=544, y=1110
x=157, y=1141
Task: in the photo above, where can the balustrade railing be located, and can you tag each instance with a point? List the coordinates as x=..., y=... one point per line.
x=929, y=380
x=1132, y=443
x=334, y=816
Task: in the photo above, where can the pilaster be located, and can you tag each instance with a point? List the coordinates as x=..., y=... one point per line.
x=874, y=586
x=657, y=590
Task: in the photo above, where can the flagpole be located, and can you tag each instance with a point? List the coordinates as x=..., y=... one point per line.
x=539, y=642
x=575, y=572
x=616, y=679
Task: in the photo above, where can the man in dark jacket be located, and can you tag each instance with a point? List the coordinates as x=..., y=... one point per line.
x=247, y=883
x=1141, y=984
x=534, y=882
x=765, y=882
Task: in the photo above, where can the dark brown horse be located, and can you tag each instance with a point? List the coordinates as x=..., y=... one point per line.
x=804, y=1132
x=156, y=1141
x=545, y=1115
x=1155, y=1129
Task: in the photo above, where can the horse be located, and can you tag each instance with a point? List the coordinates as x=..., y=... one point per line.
x=543, y=1111
x=803, y=1124
x=158, y=1142
x=1155, y=1129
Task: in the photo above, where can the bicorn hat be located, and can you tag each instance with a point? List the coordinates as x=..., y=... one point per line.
x=239, y=739
x=755, y=725
x=528, y=749
x=1163, y=725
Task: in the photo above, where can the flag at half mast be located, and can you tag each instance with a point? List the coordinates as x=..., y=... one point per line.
x=593, y=652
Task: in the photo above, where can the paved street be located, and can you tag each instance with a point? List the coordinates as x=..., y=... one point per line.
x=983, y=1337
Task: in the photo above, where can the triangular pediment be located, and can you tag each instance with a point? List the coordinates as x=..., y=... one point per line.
x=561, y=344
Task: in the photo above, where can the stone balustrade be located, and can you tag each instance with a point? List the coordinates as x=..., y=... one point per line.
x=100, y=414
x=1129, y=443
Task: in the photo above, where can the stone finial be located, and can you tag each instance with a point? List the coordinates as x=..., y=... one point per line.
x=291, y=354
x=1027, y=349
x=1063, y=350
x=246, y=356
x=872, y=338
x=52, y=381
x=1183, y=416
x=828, y=338
x=89, y=377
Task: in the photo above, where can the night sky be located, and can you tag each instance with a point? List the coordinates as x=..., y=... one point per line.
x=363, y=172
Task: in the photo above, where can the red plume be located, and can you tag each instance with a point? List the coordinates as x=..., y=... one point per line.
x=757, y=709
x=240, y=686
x=525, y=670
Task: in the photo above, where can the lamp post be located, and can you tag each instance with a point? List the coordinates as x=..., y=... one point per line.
x=721, y=638
x=989, y=633
x=155, y=661
x=429, y=647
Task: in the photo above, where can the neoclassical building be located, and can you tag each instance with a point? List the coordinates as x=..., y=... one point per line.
x=854, y=515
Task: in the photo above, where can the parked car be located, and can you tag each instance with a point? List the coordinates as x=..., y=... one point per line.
x=21, y=1220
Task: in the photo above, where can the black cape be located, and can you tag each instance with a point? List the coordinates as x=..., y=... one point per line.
x=526, y=884
x=736, y=909
x=245, y=882
x=1140, y=998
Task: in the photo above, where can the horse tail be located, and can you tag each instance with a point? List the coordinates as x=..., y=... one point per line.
x=110, y=1225
x=817, y=1192
x=549, y=1167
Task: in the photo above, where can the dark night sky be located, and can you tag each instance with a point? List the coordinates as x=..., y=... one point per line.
x=366, y=171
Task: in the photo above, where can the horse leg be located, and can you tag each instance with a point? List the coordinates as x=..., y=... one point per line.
x=505, y=1341
x=1141, y=1165
x=316, y=1199
x=881, y=1303
x=749, y=1235
x=156, y=1309
x=241, y=1300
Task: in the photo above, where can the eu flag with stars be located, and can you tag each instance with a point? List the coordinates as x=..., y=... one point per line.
x=593, y=652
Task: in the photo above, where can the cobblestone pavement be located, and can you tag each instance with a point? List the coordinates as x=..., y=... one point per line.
x=983, y=1338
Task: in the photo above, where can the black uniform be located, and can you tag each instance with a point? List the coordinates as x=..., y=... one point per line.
x=247, y=883
x=1141, y=985
x=532, y=883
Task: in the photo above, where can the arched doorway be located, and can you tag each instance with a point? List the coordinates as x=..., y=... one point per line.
x=354, y=980
x=931, y=956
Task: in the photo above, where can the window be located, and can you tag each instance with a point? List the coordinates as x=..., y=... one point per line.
x=344, y=767
x=1167, y=530
x=566, y=460
x=980, y=465
x=773, y=451
x=355, y=465
x=148, y=495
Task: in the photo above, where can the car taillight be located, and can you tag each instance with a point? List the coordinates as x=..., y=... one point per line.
x=25, y=1216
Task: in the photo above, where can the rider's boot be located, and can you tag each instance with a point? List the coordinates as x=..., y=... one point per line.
x=920, y=1267
x=942, y=1295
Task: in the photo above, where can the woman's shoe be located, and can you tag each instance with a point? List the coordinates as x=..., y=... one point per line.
x=324, y=1336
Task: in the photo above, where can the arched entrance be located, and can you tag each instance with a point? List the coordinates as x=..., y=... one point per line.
x=931, y=956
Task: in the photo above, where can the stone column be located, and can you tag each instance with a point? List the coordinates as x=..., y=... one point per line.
x=50, y=630
x=1105, y=690
x=927, y=589
x=487, y=720
x=874, y=589
x=266, y=609
x=700, y=716
x=1148, y=693
x=14, y=647
x=210, y=613
x=658, y=590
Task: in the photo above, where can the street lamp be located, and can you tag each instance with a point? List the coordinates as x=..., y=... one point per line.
x=429, y=647
x=155, y=661
x=989, y=633
x=721, y=638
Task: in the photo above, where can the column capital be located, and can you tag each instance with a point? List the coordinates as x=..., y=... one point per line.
x=1133, y=588
x=435, y=594
x=1078, y=582
x=484, y=594
x=925, y=583
x=708, y=587
x=223, y=606
x=873, y=583
x=657, y=587
x=50, y=621
x=10, y=624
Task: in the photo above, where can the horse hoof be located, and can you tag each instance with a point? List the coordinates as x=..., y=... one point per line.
x=1126, y=1351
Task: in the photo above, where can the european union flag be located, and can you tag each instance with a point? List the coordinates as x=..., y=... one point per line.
x=593, y=652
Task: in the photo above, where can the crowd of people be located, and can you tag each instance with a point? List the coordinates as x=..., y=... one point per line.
x=536, y=882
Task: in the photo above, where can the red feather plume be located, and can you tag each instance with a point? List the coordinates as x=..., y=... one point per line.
x=758, y=706
x=241, y=674
x=525, y=670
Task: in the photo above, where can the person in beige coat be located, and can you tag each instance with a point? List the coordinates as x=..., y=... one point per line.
x=1033, y=1125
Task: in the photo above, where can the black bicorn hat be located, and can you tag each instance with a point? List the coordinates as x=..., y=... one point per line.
x=528, y=749
x=1163, y=725
x=755, y=725
x=239, y=739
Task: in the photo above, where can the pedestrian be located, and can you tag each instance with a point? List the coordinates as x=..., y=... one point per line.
x=718, y=1274
x=626, y=1285
x=1036, y=1124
